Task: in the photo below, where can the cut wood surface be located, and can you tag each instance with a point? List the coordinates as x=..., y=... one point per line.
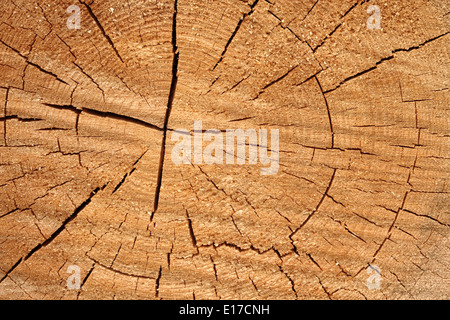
x=87, y=177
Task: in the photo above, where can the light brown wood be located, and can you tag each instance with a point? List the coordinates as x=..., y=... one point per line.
x=87, y=178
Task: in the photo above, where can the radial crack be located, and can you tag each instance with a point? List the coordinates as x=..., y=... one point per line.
x=97, y=22
x=252, y=7
x=80, y=208
x=173, y=88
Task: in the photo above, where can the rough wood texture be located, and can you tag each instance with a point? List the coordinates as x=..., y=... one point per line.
x=86, y=176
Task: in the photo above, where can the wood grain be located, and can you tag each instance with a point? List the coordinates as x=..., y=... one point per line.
x=87, y=179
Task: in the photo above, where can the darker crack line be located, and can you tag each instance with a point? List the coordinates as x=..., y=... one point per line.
x=435, y=192
x=251, y=206
x=24, y=174
x=10, y=212
x=314, y=210
x=193, y=190
x=346, y=273
x=298, y=177
x=168, y=257
x=351, y=8
x=338, y=26
x=5, y=114
x=307, y=14
x=65, y=43
x=116, y=255
x=344, y=225
x=46, y=19
x=328, y=112
x=313, y=261
x=85, y=279
x=46, y=72
x=324, y=289
x=241, y=119
x=52, y=129
x=118, y=271
x=11, y=270
x=34, y=41
x=252, y=9
x=71, y=108
x=254, y=285
x=275, y=81
x=213, y=183
x=389, y=232
x=311, y=9
x=234, y=222
x=103, y=114
x=401, y=283
x=291, y=281
x=73, y=91
x=406, y=232
x=366, y=219
x=225, y=193
x=421, y=44
x=288, y=28
x=112, y=115
x=191, y=229
x=428, y=217
x=386, y=59
x=128, y=174
x=29, y=63
x=236, y=247
x=250, y=247
x=16, y=117
x=102, y=30
x=158, y=279
x=359, y=74
x=326, y=37
x=58, y=185
x=80, y=208
x=413, y=100
x=90, y=78
x=237, y=83
x=57, y=232
x=284, y=217
x=309, y=78
x=173, y=87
